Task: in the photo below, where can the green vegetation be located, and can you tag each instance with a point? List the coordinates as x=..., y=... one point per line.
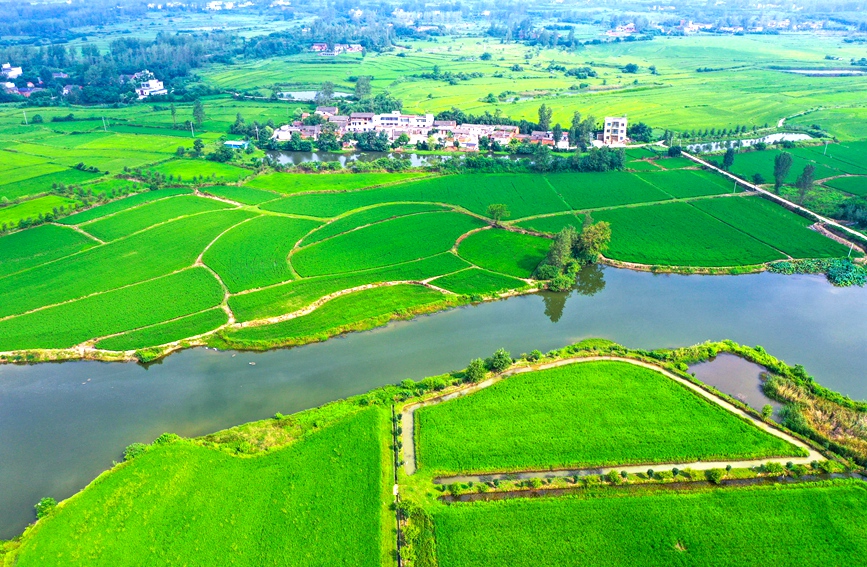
x=383, y=244
x=289, y=183
x=243, y=195
x=188, y=170
x=678, y=234
x=853, y=185
x=724, y=527
x=314, y=498
x=131, y=221
x=34, y=208
x=357, y=311
x=595, y=190
x=122, y=204
x=39, y=245
x=748, y=164
x=587, y=414
x=162, y=333
x=773, y=225
x=685, y=183
x=552, y=224
x=366, y=217
x=475, y=282
x=112, y=312
x=254, y=254
x=503, y=251
x=290, y=297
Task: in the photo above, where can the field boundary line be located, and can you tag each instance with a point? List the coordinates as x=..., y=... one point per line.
x=409, y=437
x=326, y=298
x=89, y=343
x=199, y=261
x=79, y=230
x=784, y=202
x=110, y=215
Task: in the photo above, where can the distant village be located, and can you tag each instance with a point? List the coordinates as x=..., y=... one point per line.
x=146, y=85
x=424, y=129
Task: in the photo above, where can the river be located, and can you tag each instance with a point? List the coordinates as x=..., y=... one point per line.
x=62, y=424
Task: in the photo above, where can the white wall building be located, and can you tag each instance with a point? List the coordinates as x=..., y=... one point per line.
x=150, y=88
x=614, y=131
x=11, y=72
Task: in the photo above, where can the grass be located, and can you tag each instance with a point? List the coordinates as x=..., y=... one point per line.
x=243, y=195
x=854, y=185
x=44, y=183
x=292, y=296
x=135, y=306
x=596, y=190
x=686, y=183
x=475, y=281
x=254, y=254
x=184, y=170
x=29, y=248
x=773, y=225
x=748, y=164
x=134, y=220
x=553, y=224
x=383, y=244
x=366, y=217
x=675, y=163
x=163, y=333
x=722, y=528
x=506, y=252
x=677, y=234
x=289, y=183
x=33, y=208
x=317, y=502
x=121, y=205
x=584, y=415
x=355, y=311
x=523, y=194
x=149, y=254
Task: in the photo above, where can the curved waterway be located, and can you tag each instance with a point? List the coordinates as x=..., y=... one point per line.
x=62, y=424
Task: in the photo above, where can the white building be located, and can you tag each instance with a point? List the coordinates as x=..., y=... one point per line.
x=11, y=72
x=150, y=88
x=614, y=131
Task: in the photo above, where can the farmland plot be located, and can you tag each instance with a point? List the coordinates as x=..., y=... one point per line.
x=506, y=252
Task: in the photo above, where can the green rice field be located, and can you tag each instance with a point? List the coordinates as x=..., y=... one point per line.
x=854, y=185
x=583, y=415
x=289, y=183
x=723, y=528
x=505, y=252
x=123, y=204
x=475, y=281
x=317, y=500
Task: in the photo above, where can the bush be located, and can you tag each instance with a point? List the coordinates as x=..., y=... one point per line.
x=476, y=371
x=774, y=469
x=166, y=439
x=45, y=506
x=767, y=411
x=561, y=282
x=535, y=356
x=547, y=272
x=500, y=361
x=715, y=475
x=134, y=450
x=613, y=477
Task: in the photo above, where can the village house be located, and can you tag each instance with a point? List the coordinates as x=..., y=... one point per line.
x=11, y=73
x=614, y=131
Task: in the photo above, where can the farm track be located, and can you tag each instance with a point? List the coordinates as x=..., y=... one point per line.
x=408, y=424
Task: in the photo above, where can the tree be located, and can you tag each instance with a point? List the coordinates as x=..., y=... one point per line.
x=640, y=132
x=574, y=133
x=557, y=132
x=476, y=371
x=729, y=159
x=500, y=360
x=485, y=56
x=45, y=506
x=174, y=114
x=545, y=114
x=498, y=212
x=804, y=183
x=715, y=475
x=767, y=411
x=198, y=112
x=630, y=68
x=362, y=87
x=198, y=146
x=593, y=241
x=560, y=251
x=782, y=165
x=325, y=93
x=402, y=140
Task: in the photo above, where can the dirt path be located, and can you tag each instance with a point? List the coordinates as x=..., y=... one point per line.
x=408, y=424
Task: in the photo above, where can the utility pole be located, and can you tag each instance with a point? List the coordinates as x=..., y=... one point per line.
x=25, y=118
x=257, y=132
x=192, y=133
x=104, y=127
x=826, y=148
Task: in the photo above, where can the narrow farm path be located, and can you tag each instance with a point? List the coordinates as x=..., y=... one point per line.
x=408, y=424
x=788, y=204
x=79, y=230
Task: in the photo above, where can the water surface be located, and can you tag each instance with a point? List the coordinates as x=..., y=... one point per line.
x=62, y=424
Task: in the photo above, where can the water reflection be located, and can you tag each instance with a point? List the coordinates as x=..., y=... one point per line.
x=589, y=282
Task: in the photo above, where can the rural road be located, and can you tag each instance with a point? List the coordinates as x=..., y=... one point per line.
x=408, y=425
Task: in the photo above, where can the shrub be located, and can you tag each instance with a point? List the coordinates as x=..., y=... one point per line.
x=476, y=371
x=547, y=272
x=613, y=477
x=535, y=483
x=500, y=361
x=561, y=282
x=715, y=475
x=773, y=469
x=624, y=474
x=45, y=506
x=166, y=439
x=134, y=450
x=767, y=411
x=650, y=473
x=535, y=355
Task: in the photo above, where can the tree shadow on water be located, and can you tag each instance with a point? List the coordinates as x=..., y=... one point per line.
x=590, y=281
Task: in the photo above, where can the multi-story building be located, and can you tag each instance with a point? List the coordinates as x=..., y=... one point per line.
x=614, y=131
